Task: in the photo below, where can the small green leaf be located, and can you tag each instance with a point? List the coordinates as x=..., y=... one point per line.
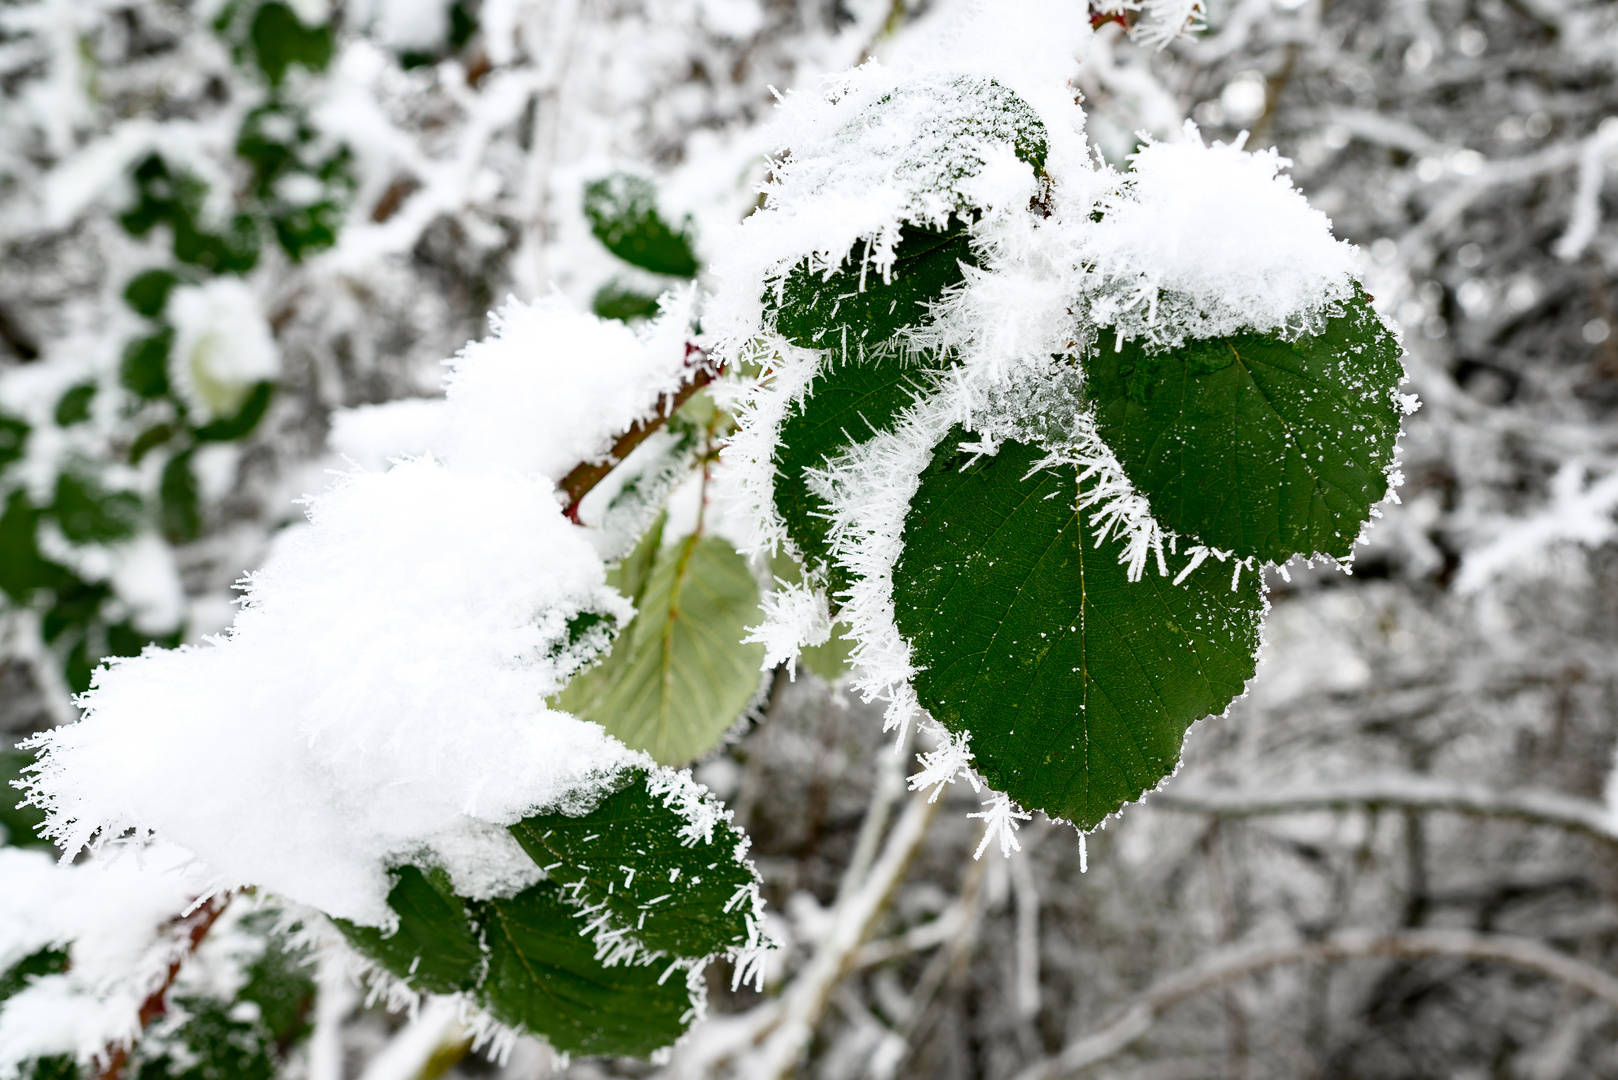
x=74, y=406
x=615, y=300
x=628, y=854
x=246, y=418
x=435, y=947
x=23, y=570
x=1254, y=444
x=47, y=961
x=90, y=514
x=21, y=824
x=848, y=402
x=13, y=439
x=1075, y=684
x=179, y=500
x=148, y=291
x=854, y=310
x=544, y=977
x=280, y=40
x=622, y=210
x=145, y=370
x=679, y=675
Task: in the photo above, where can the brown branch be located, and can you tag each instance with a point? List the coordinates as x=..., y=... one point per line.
x=196, y=926
x=578, y=483
x=1239, y=962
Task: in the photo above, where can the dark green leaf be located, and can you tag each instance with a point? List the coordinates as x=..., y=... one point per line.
x=145, y=369
x=679, y=675
x=245, y=420
x=90, y=514
x=848, y=402
x=179, y=500
x=56, y=1067
x=47, y=961
x=544, y=977
x=13, y=439
x=628, y=854
x=148, y=291
x=149, y=440
x=280, y=40
x=21, y=823
x=616, y=300
x=23, y=570
x=622, y=210
x=74, y=406
x=1253, y=444
x=854, y=310
x=1075, y=684
x=435, y=947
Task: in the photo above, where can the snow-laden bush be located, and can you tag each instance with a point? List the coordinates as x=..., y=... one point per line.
x=1029, y=426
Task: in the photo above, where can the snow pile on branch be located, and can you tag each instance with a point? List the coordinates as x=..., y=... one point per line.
x=381, y=696
x=114, y=920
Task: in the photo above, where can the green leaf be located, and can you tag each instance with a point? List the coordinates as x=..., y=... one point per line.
x=23, y=570
x=280, y=40
x=74, y=406
x=13, y=439
x=90, y=514
x=435, y=947
x=848, y=402
x=629, y=855
x=148, y=291
x=244, y=421
x=47, y=961
x=622, y=210
x=145, y=369
x=1075, y=684
x=679, y=675
x=21, y=824
x=1256, y=445
x=615, y=300
x=854, y=310
x=180, y=500
x=544, y=977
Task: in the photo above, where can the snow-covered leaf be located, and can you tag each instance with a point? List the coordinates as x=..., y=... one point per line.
x=1256, y=444
x=545, y=978
x=622, y=210
x=1074, y=684
x=435, y=946
x=679, y=675
x=671, y=887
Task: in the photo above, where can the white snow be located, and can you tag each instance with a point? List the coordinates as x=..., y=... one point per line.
x=114, y=919
x=222, y=346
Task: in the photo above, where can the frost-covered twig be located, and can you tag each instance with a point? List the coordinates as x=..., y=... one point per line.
x=578, y=483
x=852, y=922
x=196, y=925
x=1406, y=792
x=1228, y=965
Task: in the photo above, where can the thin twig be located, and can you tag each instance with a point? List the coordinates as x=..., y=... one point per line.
x=578, y=483
x=196, y=924
x=1405, y=792
x=1227, y=965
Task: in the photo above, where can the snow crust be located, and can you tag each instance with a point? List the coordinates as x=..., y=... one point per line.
x=114, y=919
x=381, y=696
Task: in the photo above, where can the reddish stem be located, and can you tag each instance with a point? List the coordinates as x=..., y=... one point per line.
x=197, y=924
x=578, y=483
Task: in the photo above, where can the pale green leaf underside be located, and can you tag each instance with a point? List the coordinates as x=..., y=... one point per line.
x=680, y=674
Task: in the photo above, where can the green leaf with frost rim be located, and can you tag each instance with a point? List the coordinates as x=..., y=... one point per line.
x=847, y=404
x=1254, y=444
x=632, y=872
x=1075, y=684
x=679, y=674
x=633, y=855
x=544, y=978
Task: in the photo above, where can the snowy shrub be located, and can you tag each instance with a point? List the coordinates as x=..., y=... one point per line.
x=1012, y=430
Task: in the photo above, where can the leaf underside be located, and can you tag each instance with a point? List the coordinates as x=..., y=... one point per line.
x=680, y=674
x=1075, y=684
x=1256, y=445
x=526, y=958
